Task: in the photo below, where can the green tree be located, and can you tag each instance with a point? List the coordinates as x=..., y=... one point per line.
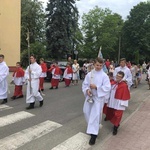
x=111, y=35
x=91, y=27
x=35, y=48
x=136, y=33
x=32, y=17
x=61, y=25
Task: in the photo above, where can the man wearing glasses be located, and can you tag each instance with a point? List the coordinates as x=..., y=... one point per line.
x=118, y=101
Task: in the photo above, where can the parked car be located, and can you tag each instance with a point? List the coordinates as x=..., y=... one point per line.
x=62, y=65
x=49, y=75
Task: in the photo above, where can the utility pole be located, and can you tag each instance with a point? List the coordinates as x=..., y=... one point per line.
x=119, y=49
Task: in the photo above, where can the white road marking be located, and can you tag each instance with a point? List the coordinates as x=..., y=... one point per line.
x=18, y=139
x=4, y=107
x=16, y=117
x=77, y=142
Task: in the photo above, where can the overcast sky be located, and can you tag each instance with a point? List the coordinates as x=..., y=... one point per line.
x=121, y=7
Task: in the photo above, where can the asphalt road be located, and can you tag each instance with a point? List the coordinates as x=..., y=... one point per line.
x=59, y=124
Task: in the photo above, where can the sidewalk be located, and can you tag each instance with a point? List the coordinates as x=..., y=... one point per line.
x=134, y=132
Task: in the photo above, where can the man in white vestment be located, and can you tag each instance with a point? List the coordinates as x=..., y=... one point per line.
x=96, y=86
x=128, y=76
x=4, y=72
x=32, y=75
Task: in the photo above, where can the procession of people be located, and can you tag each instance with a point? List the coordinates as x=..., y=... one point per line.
x=107, y=93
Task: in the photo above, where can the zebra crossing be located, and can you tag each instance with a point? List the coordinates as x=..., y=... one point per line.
x=16, y=140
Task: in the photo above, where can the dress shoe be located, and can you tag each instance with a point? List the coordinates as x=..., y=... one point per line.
x=13, y=97
x=21, y=96
x=42, y=90
x=115, y=130
x=4, y=101
x=93, y=139
x=51, y=88
x=56, y=87
x=41, y=103
x=31, y=106
x=105, y=119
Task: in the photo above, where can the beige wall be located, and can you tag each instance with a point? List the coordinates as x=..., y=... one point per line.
x=10, y=16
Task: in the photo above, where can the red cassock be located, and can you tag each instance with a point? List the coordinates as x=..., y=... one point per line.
x=44, y=67
x=122, y=93
x=68, y=80
x=55, y=80
x=44, y=70
x=18, y=73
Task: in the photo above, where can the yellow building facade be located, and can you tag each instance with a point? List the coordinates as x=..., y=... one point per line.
x=10, y=24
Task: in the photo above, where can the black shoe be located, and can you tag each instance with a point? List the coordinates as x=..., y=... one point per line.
x=4, y=101
x=115, y=130
x=42, y=90
x=21, y=96
x=56, y=87
x=93, y=139
x=67, y=86
x=105, y=119
x=31, y=106
x=41, y=103
x=13, y=97
x=51, y=88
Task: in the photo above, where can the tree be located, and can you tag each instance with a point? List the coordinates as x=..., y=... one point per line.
x=111, y=35
x=91, y=27
x=32, y=17
x=136, y=33
x=61, y=25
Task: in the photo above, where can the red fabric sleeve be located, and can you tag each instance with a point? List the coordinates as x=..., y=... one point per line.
x=50, y=69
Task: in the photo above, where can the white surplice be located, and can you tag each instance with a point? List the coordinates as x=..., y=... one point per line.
x=127, y=76
x=117, y=104
x=35, y=75
x=93, y=112
x=67, y=75
x=18, y=80
x=4, y=72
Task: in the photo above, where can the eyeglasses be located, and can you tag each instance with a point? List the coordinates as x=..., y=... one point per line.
x=119, y=76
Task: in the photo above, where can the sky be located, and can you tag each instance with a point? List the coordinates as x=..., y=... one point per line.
x=121, y=7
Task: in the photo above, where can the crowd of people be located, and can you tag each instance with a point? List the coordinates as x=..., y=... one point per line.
x=106, y=86
x=109, y=93
x=34, y=76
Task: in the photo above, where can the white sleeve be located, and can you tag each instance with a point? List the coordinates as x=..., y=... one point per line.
x=104, y=89
x=86, y=84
